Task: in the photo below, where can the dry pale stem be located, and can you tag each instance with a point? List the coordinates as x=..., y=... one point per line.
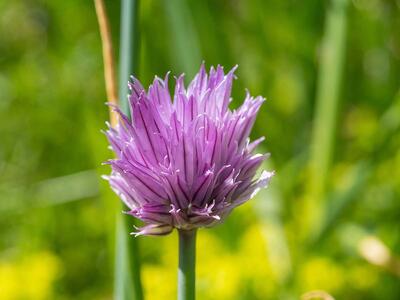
x=108, y=57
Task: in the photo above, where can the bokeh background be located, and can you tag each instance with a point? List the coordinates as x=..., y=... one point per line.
x=330, y=218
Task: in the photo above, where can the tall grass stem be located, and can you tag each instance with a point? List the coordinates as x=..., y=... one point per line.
x=127, y=258
x=327, y=105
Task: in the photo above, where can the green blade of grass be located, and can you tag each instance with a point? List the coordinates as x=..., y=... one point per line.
x=186, y=52
x=357, y=178
x=129, y=48
x=327, y=106
x=127, y=260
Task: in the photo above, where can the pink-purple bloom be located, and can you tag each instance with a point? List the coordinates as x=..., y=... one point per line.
x=185, y=162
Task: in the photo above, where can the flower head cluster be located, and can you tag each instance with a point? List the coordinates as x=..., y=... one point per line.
x=185, y=162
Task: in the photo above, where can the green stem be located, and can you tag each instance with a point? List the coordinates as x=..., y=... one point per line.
x=187, y=264
x=328, y=94
x=127, y=262
x=326, y=110
x=127, y=259
x=129, y=48
x=186, y=51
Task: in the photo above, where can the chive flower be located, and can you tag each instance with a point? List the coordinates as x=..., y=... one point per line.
x=185, y=161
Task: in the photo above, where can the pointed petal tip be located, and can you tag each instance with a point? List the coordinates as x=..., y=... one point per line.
x=262, y=182
x=166, y=77
x=235, y=67
x=113, y=105
x=267, y=174
x=105, y=177
x=152, y=229
x=216, y=217
x=136, y=234
x=133, y=80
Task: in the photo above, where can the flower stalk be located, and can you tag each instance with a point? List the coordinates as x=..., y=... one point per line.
x=187, y=265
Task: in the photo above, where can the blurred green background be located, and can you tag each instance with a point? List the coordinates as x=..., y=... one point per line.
x=330, y=219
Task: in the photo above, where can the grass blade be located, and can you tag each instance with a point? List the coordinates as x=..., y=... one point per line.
x=186, y=52
x=127, y=260
x=327, y=106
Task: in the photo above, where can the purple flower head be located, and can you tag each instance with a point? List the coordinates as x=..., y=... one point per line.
x=185, y=162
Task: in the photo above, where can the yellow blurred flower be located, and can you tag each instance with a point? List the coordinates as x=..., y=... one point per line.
x=254, y=264
x=362, y=277
x=159, y=282
x=321, y=274
x=31, y=278
x=218, y=274
x=221, y=273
